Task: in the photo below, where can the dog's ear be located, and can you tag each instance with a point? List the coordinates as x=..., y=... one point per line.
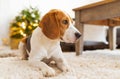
x=50, y=26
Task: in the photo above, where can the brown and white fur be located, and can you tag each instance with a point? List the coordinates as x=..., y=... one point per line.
x=55, y=26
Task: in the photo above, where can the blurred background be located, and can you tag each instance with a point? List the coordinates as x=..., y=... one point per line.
x=9, y=9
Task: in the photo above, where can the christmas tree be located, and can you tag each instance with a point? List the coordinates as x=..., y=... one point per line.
x=24, y=23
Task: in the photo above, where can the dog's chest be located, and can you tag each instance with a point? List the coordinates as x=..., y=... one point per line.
x=50, y=48
x=40, y=43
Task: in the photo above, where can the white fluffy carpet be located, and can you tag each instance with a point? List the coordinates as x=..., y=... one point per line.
x=97, y=64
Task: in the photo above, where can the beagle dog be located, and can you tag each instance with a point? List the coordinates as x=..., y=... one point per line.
x=44, y=43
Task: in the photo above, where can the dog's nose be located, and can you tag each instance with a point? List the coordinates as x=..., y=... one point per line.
x=77, y=35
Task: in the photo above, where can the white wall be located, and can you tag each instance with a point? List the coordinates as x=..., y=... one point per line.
x=11, y=8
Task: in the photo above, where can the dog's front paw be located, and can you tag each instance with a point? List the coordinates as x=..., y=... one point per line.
x=48, y=72
x=65, y=68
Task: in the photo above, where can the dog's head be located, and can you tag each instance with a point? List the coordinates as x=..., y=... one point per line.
x=58, y=25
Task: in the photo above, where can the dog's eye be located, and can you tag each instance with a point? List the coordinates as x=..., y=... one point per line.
x=65, y=22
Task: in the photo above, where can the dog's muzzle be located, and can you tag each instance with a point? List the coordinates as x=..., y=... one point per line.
x=77, y=35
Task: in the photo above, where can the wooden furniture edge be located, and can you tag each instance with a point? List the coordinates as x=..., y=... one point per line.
x=93, y=4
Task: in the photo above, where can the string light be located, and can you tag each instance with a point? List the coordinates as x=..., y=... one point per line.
x=21, y=32
x=23, y=24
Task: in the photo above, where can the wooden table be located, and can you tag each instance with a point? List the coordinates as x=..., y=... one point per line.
x=106, y=12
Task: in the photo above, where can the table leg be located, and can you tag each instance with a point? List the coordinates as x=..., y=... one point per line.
x=112, y=38
x=79, y=25
x=79, y=46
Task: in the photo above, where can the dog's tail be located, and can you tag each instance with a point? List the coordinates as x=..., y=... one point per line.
x=20, y=52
